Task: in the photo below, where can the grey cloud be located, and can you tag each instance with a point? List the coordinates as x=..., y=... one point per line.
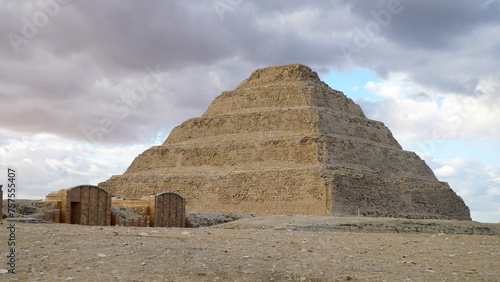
x=437, y=43
x=429, y=24
x=50, y=85
x=134, y=34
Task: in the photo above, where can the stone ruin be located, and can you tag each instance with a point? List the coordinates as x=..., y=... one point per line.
x=161, y=210
x=92, y=205
x=284, y=142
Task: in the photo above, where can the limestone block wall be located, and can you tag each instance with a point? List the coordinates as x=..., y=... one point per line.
x=142, y=207
x=52, y=206
x=165, y=209
x=141, y=221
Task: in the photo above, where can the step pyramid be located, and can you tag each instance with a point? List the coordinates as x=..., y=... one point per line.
x=284, y=142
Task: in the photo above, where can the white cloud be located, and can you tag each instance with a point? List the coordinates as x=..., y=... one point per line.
x=395, y=87
x=46, y=162
x=418, y=114
x=475, y=182
x=445, y=171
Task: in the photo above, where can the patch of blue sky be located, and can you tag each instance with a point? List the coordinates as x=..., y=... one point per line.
x=352, y=83
x=486, y=152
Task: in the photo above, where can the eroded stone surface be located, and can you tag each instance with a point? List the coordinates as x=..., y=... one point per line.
x=284, y=142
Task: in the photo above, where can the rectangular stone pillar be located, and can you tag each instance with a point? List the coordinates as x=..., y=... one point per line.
x=102, y=208
x=85, y=197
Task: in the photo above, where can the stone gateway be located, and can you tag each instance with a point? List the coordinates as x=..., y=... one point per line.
x=84, y=204
x=284, y=142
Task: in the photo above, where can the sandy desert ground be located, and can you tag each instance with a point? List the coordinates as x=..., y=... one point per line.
x=255, y=249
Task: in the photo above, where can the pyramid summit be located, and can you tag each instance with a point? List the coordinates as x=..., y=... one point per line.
x=284, y=142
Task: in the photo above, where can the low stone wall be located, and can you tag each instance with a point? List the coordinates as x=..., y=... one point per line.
x=364, y=224
x=203, y=219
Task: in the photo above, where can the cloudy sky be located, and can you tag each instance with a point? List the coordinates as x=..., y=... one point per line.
x=85, y=86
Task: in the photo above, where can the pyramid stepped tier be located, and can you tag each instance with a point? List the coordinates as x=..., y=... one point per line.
x=271, y=97
x=289, y=149
x=303, y=120
x=243, y=188
x=283, y=142
x=292, y=149
x=297, y=122
x=396, y=197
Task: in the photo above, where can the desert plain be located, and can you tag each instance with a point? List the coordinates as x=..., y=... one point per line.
x=263, y=248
